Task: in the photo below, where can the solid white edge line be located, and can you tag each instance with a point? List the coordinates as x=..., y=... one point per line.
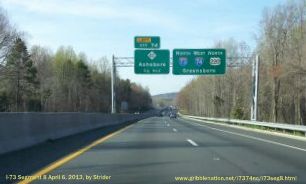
x=252, y=137
x=192, y=142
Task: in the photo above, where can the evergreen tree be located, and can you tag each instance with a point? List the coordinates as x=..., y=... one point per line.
x=22, y=80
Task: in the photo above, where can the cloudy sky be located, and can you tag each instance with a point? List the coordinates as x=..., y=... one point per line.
x=106, y=27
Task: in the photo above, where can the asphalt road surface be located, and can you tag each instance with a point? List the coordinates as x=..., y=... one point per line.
x=163, y=150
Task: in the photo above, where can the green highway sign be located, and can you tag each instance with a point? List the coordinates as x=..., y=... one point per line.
x=152, y=61
x=147, y=42
x=199, y=61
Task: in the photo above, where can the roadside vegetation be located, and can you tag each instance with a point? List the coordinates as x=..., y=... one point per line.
x=38, y=79
x=281, y=45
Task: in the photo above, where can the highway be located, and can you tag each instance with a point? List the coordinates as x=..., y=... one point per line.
x=163, y=150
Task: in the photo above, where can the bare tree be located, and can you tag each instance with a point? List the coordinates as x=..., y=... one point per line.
x=7, y=36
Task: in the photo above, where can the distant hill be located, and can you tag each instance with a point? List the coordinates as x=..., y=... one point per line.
x=163, y=100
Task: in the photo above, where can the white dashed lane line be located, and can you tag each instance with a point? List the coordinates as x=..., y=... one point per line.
x=192, y=142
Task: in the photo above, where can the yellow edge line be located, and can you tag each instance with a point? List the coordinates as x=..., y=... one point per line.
x=69, y=157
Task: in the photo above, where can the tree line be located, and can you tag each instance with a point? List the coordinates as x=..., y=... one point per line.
x=37, y=79
x=281, y=45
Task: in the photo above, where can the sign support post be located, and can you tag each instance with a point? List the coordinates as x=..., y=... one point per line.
x=113, y=78
x=254, y=88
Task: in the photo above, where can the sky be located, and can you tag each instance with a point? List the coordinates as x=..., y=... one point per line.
x=107, y=27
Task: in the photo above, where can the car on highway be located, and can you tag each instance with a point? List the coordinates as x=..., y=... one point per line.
x=172, y=115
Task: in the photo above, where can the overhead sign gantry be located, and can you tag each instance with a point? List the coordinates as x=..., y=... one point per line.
x=150, y=59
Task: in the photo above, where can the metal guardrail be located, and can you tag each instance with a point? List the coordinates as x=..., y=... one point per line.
x=280, y=126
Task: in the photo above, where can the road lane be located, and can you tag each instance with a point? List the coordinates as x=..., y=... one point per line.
x=29, y=160
x=151, y=152
x=251, y=156
x=141, y=154
x=273, y=136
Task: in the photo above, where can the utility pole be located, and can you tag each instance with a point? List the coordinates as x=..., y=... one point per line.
x=113, y=78
x=255, y=71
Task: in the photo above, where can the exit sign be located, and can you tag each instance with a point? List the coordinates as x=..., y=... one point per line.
x=147, y=42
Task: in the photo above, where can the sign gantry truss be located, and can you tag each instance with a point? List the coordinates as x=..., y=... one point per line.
x=232, y=62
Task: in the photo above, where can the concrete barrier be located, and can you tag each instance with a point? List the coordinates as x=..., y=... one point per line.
x=21, y=130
